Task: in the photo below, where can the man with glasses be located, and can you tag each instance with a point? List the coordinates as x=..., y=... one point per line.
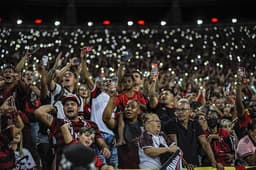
x=189, y=136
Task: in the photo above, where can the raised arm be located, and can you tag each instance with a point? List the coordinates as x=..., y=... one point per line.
x=85, y=74
x=153, y=100
x=107, y=114
x=43, y=83
x=239, y=103
x=21, y=63
x=43, y=114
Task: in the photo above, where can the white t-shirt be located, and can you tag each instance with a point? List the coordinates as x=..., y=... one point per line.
x=148, y=161
x=25, y=161
x=99, y=102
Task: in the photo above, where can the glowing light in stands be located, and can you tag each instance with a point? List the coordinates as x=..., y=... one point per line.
x=141, y=22
x=106, y=22
x=163, y=23
x=199, y=22
x=57, y=23
x=90, y=23
x=214, y=20
x=19, y=21
x=38, y=21
x=234, y=20
x=130, y=23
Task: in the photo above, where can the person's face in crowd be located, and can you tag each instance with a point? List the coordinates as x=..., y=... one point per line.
x=17, y=138
x=132, y=110
x=227, y=111
x=226, y=124
x=137, y=78
x=128, y=83
x=83, y=91
x=87, y=138
x=183, y=111
x=153, y=124
x=28, y=77
x=69, y=79
x=166, y=97
x=71, y=109
x=220, y=103
x=8, y=75
x=202, y=121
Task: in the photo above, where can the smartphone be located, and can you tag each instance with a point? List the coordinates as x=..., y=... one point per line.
x=87, y=48
x=241, y=71
x=45, y=60
x=154, y=70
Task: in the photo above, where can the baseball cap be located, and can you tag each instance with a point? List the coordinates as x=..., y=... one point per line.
x=71, y=97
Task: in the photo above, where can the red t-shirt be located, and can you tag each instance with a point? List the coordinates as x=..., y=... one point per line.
x=122, y=99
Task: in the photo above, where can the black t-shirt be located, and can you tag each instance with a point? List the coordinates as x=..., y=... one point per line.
x=187, y=139
x=165, y=114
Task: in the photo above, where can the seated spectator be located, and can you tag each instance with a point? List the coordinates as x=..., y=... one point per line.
x=154, y=149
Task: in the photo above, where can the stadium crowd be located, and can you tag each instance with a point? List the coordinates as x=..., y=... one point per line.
x=135, y=98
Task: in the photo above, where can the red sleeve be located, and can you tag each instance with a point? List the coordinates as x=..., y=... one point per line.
x=141, y=98
x=98, y=162
x=117, y=100
x=245, y=120
x=223, y=132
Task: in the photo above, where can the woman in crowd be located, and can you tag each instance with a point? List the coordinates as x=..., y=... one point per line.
x=154, y=149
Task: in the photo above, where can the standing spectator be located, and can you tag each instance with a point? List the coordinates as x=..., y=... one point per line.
x=121, y=100
x=154, y=149
x=246, y=147
x=11, y=123
x=189, y=135
x=84, y=92
x=99, y=100
x=165, y=108
x=132, y=131
x=220, y=141
x=24, y=159
x=71, y=107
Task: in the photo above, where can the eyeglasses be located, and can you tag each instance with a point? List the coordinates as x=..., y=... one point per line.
x=182, y=110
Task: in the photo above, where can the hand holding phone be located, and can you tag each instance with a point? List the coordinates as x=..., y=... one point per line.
x=241, y=71
x=154, y=71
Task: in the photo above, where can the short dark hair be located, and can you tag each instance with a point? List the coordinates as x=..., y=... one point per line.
x=89, y=130
x=77, y=156
x=252, y=125
x=127, y=75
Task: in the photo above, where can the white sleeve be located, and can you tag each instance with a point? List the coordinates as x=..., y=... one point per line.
x=55, y=92
x=31, y=162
